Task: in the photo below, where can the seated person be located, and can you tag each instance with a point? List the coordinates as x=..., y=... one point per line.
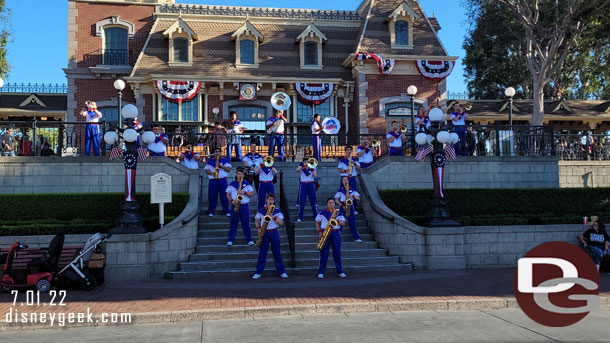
x=596, y=241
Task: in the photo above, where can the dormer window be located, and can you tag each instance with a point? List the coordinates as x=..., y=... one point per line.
x=401, y=26
x=311, y=41
x=247, y=39
x=181, y=38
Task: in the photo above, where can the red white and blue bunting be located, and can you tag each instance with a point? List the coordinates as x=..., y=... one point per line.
x=314, y=93
x=385, y=65
x=435, y=70
x=178, y=91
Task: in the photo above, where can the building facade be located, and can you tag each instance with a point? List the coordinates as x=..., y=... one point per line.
x=353, y=65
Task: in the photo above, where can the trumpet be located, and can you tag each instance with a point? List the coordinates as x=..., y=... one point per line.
x=268, y=161
x=403, y=128
x=88, y=103
x=312, y=163
x=375, y=143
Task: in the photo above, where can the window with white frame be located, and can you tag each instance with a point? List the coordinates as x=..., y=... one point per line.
x=246, y=50
x=305, y=112
x=400, y=24
x=310, y=43
x=311, y=53
x=181, y=50
x=247, y=39
x=252, y=117
x=187, y=110
x=181, y=38
x=115, y=46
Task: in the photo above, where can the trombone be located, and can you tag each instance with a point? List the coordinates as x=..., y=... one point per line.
x=268, y=161
x=403, y=128
x=375, y=143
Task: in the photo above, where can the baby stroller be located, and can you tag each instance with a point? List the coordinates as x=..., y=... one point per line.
x=79, y=271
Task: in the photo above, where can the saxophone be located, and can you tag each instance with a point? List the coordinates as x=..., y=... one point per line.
x=216, y=169
x=332, y=222
x=350, y=167
x=266, y=220
x=239, y=198
x=348, y=203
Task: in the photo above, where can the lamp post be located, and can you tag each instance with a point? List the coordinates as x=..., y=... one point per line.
x=119, y=85
x=412, y=90
x=130, y=221
x=438, y=135
x=510, y=93
x=216, y=110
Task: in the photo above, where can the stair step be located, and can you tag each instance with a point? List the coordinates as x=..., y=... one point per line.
x=223, y=232
x=252, y=255
x=271, y=272
x=303, y=262
x=298, y=238
x=306, y=223
x=219, y=214
x=240, y=246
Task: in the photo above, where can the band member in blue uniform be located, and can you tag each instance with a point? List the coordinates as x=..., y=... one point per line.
x=238, y=128
x=251, y=161
x=394, y=138
x=265, y=177
x=240, y=212
x=334, y=240
x=341, y=198
x=458, y=118
x=316, y=128
x=307, y=188
x=344, y=169
x=365, y=152
x=422, y=120
x=275, y=124
x=189, y=158
x=271, y=237
x=218, y=169
x=159, y=146
x=92, y=129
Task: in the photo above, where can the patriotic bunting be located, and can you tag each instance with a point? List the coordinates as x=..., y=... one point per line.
x=178, y=91
x=314, y=93
x=435, y=70
x=385, y=65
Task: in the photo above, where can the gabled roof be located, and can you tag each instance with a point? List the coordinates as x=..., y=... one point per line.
x=180, y=26
x=402, y=10
x=310, y=31
x=246, y=29
x=32, y=100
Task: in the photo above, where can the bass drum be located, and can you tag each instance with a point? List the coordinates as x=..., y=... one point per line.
x=331, y=126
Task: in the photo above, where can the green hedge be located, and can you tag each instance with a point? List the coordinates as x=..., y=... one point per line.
x=481, y=207
x=40, y=214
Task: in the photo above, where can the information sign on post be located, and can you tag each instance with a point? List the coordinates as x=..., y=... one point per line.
x=161, y=193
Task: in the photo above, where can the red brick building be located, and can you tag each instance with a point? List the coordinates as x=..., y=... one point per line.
x=222, y=49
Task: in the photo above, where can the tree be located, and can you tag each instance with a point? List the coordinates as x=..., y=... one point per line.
x=553, y=31
x=4, y=37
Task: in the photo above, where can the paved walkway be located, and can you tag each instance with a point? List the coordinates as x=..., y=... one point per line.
x=162, y=300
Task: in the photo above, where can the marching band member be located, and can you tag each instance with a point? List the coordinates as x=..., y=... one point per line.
x=306, y=156
x=365, y=152
x=236, y=140
x=344, y=169
x=251, y=161
x=189, y=158
x=159, y=146
x=276, y=124
x=458, y=118
x=307, y=188
x=423, y=121
x=350, y=213
x=316, y=128
x=265, y=176
x=240, y=211
x=271, y=237
x=334, y=240
x=92, y=131
x=395, y=139
x=218, y=169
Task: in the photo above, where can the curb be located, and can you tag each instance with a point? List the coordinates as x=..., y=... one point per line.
x=489, y=303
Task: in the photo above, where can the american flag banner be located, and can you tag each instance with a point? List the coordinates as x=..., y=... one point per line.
x=116, y=152
x=142, y=154
x=450, y=152
x=422, y=153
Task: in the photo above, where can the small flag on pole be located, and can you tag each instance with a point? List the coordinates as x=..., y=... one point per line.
x=422, y=153
x=142, y=153
x=116, y=152
x=450, y=152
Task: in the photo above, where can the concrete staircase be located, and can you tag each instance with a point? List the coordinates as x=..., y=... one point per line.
x=213, y=258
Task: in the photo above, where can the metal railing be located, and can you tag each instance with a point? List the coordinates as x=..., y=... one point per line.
x=288, y=224
x=34, y=88
x=582, y=147
x=115, y=57
x=458, y=96
x=505, y=140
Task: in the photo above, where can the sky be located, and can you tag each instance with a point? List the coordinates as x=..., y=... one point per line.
x=38, y=53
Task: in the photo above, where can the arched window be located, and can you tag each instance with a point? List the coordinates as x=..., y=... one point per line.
x=181, y=50
x=311, y=53
x=401, y=30
x=115, y=46
x=246, y=49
